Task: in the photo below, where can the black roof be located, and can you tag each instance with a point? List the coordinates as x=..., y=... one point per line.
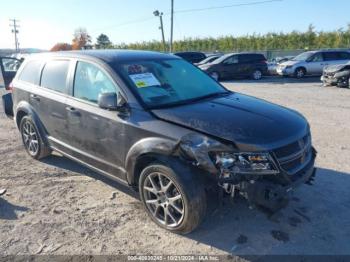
x=115, y=55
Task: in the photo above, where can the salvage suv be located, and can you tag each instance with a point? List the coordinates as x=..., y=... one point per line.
x=312, y=62
x=160, y=125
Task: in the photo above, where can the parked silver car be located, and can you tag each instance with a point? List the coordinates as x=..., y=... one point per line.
x=312, y=62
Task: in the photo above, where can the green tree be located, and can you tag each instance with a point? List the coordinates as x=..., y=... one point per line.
x=103, y=42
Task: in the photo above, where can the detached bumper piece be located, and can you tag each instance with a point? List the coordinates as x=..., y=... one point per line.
x=273, y=196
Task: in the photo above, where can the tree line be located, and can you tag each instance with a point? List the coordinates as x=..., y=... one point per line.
x=309, y=39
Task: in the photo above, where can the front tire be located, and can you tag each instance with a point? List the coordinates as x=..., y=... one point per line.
x=215, y=76
x=257, y=74
x=172, y=203
x=31, y=139
x=299, y=72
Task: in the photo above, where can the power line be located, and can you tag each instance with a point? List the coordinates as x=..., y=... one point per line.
x=15, y=26
x=187, y=11
x=136, y=21
x=224, y=6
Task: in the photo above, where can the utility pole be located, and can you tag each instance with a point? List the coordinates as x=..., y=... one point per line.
x=15, y=26
x=160, y=14
x=171, y=26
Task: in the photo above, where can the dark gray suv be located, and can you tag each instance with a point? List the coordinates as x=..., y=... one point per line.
x=163, y=127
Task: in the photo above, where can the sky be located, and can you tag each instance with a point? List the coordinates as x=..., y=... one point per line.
x=44, y=23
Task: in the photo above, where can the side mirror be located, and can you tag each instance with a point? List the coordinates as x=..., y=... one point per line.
x=108, y=101
x=113, y=102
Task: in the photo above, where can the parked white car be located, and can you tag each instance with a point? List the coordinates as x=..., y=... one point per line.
x=312, y=62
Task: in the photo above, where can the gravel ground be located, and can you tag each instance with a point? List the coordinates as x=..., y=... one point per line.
x=55, y=206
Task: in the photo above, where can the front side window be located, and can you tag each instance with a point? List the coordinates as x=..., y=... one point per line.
x=90, y=81
x=317, y=58
x=54, y=75
x=231, y=60
x=31, y=72
x=168, y=82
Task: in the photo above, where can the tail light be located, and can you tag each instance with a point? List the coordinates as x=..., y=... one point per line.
x=10, y=87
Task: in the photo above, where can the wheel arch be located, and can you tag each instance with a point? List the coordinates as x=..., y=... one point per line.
x=300, y=67
x=25, y=109
x=144, y=152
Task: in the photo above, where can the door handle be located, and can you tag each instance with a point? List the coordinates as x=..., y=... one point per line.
x=72, y=110
x=35, y=97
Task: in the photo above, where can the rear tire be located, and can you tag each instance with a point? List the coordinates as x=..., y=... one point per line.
x=172, y=203
x=31, y=139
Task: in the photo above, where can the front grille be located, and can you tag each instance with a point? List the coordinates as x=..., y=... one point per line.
x=295, y=156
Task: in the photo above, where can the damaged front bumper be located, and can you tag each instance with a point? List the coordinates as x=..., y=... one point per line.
x=269, y=191
x=265, y=187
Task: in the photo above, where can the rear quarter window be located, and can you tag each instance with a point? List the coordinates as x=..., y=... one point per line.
x=344, y=55
x=31, y=72
x=54, y=75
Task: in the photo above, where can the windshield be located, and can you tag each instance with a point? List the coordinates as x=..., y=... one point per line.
x=168, y=82
x=303, y=56
x=222, y=58
x=208, y=60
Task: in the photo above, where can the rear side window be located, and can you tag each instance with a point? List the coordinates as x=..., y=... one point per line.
x=329, y=56
x=31, y=72
x=251, y=58
x=344, y=55
x=54, y=75
x=90, y=81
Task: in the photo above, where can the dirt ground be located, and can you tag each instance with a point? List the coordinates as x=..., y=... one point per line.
x=55, y=206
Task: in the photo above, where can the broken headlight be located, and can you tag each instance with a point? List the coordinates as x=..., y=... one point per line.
x=245, y=163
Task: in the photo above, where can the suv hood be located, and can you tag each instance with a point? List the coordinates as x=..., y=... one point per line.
x=289, y=63
x=335, y=68
x=248, y=122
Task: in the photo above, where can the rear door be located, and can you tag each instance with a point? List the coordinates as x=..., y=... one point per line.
x=48, y=99
x=343, y=57
x=97, y=135
x=245, y=64
x=9, y=67
x=332, y=58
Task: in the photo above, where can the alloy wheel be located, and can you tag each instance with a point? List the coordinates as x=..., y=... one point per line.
x=30, y=138
x=257, y=75
x=163, y=199
x=215, y=75
x=300, y=73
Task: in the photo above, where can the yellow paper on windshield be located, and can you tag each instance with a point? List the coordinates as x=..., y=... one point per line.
x=144, y=80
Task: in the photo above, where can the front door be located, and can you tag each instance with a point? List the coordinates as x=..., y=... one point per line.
x=231, y=66
x=97, y=135
x=315, y=64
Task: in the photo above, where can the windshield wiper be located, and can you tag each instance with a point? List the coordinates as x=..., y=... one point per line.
x=192, y=100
